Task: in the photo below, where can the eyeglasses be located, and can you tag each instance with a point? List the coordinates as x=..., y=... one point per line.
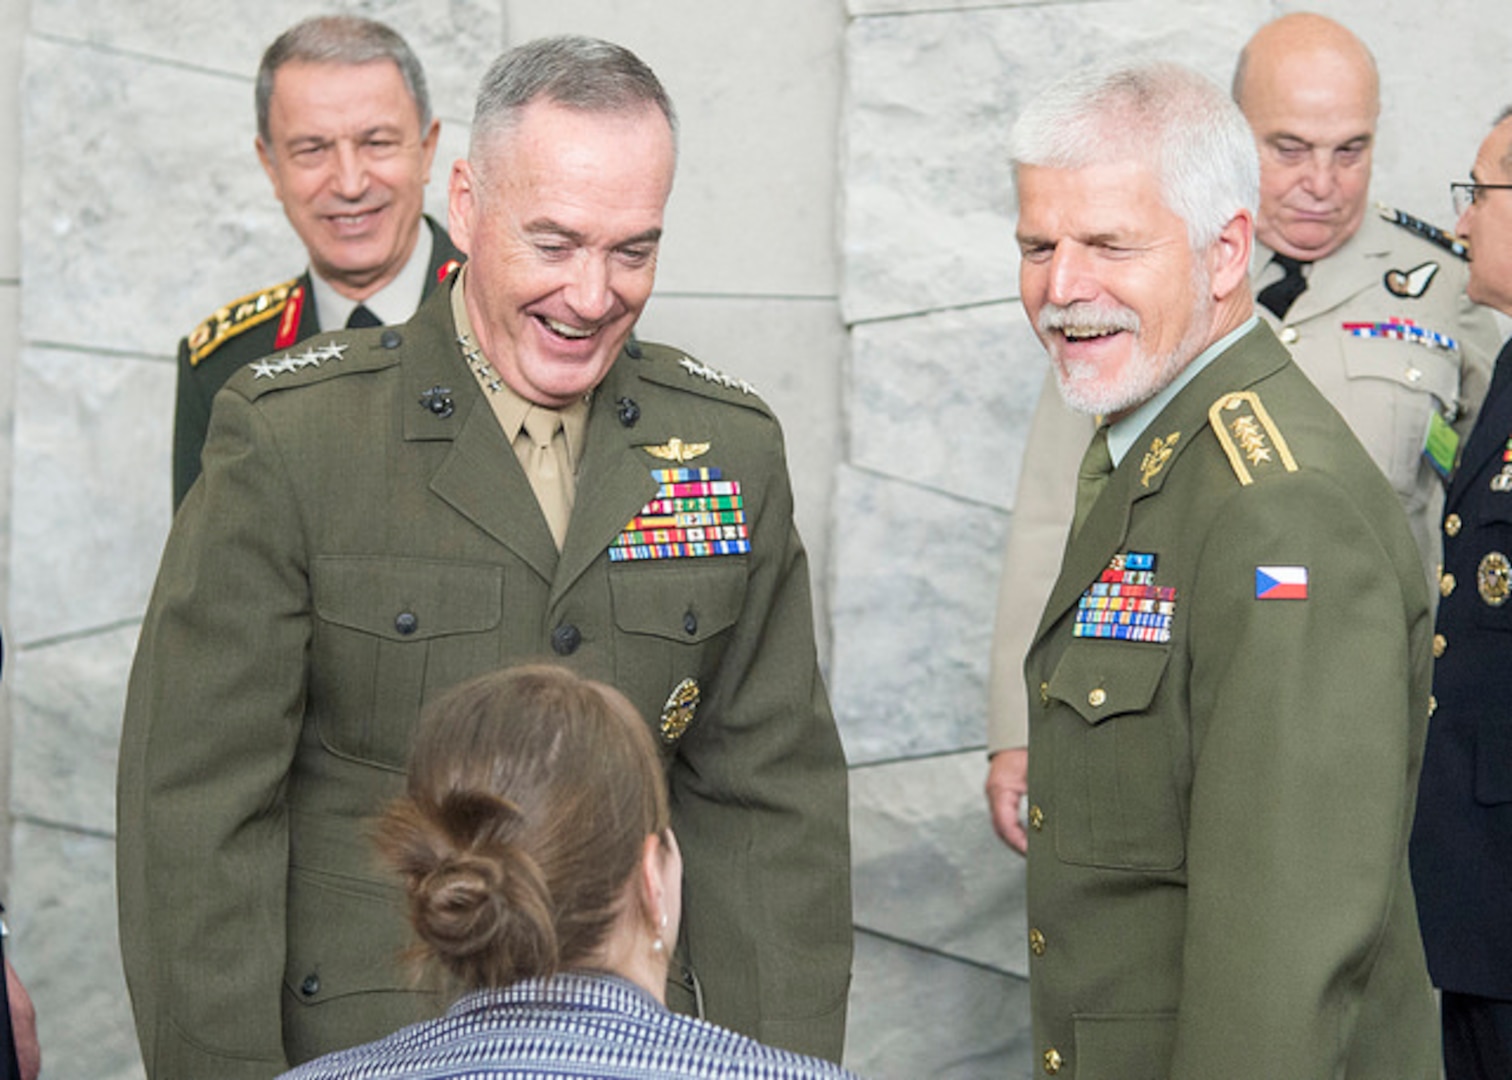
x=1467, y=193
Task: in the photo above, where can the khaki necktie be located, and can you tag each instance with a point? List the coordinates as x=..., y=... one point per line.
x=547, y=468
x=1092, y=477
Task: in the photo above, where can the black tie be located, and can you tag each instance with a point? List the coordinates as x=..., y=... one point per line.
x=1280, y=295
x=361, y=317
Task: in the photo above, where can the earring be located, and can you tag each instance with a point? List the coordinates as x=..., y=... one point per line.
x=658, y=945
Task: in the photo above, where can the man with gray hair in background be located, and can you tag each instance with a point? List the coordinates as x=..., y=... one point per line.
x=345, y=134
x=1217, y=866
x=388, y=512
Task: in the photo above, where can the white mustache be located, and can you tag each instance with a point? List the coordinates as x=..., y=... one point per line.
x=1089, y=320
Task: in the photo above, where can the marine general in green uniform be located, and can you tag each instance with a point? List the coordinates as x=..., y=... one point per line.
x=1228, y=688
x=345, y=134
x=382, y=515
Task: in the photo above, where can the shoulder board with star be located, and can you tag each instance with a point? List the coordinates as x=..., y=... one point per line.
x=239, y=316
x=675, y=368
x=1250, y=438
x=1429, y=232
x=315, y=359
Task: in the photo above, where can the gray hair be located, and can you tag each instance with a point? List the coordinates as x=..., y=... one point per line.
x=340, y=39
x=580, y=73
x=1180, y=121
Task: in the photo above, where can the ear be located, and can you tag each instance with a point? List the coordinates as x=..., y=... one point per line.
x=265, y=156
x=651, y=880
x=461, y=204
x=1229, y=256
x=428, y=148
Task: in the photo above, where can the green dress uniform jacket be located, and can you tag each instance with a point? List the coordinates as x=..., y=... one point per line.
x=246, y=330
x=1386, y=388
x=1217, y=867
x=363, y=538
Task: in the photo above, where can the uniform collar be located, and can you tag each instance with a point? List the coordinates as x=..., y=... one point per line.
x=1125, y=433
x=393, y=304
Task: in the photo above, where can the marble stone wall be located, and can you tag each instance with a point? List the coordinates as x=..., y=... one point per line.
x=840, y=235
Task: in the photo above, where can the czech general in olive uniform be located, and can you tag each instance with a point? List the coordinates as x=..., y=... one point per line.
x=365, y=535
x=1374, y=313
x=1228, y=687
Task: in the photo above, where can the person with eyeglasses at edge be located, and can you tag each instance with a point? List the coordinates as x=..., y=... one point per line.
x=346, y=136
x=1373, y=311
x=1462, y=837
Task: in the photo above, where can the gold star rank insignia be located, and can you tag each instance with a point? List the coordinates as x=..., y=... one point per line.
x=1248, y=436
x=674, y=449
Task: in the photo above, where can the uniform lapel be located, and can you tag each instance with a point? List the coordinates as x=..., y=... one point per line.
x=1355, y=267
x=614, y=477
x=480, y=478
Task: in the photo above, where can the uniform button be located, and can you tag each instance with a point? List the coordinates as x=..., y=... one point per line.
x=690, y=624
x=1452, y=525
x=1446, y=585
x=391, y=339
x=406, y=623
x=1289, y=335
x=1053, y=1061
x=1440, y=643
x=1097, y=698
x=1044, y=693
x=1036, y=818
x=1414, y=375
x=1432, y=705
x=565, y=639
x=1036, y=942
x=311, y=985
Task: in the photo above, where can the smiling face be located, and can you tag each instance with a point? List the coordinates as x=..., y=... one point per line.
x=1487, y=223
x=349, y=162
x=1110, y=282
x=561, y=220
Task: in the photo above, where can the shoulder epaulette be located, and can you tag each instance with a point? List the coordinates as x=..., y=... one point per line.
x=675, y=367
x=1431, y=233
x=238, y=317
x=1249, y=436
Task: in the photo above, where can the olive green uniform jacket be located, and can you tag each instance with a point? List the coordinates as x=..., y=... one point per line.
x=1217, y=866
x=363, y=538
x=1386, y=389
x=246, y=330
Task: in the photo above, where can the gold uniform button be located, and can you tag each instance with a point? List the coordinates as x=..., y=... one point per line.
x=1446, y=585
x=1036, y=818
x=1440, y=643
x=1097, y=698
x=1053, y=1061
x=1044, y=693
x=1289, y=335
x=1036, y=942
x=1452, y=525
x=1432, y=705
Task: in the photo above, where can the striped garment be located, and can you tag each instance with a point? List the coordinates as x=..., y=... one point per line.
x=576, y=1025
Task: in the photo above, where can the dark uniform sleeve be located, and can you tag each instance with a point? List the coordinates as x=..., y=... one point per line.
x=191, y=418
x=213, y=716
x=760, y=807
x=1308, y=721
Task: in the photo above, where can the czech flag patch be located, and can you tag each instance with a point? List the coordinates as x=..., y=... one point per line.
x=1280, y=583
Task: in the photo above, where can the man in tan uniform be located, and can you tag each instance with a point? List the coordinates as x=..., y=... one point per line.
x=1381, y=325
x=1229, y=683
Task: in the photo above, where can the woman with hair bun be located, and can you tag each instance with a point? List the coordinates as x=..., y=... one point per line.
x=544, y=886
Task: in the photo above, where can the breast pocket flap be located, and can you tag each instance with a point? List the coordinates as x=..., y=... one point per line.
x=407, y=599
x=1102, y=679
